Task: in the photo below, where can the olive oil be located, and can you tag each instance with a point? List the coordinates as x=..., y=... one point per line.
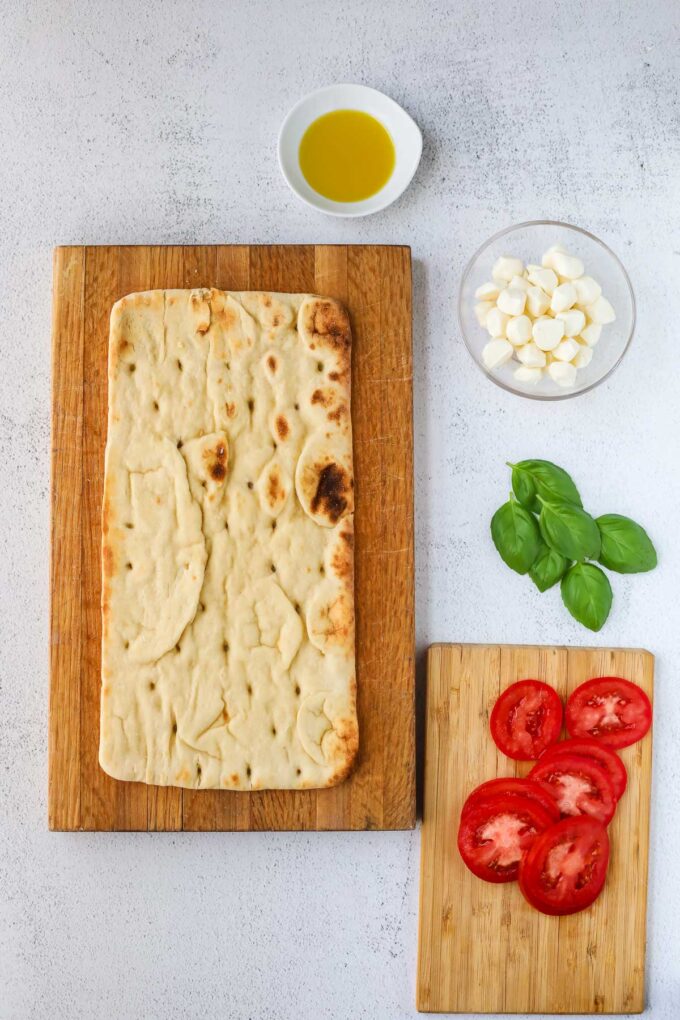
x=346, y=155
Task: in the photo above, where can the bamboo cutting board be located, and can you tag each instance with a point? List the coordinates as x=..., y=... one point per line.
x=482, y=948
x=374, y=282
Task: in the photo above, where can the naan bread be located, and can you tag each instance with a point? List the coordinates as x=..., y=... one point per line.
x=227, y=597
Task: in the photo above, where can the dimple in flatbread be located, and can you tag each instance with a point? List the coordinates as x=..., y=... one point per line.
x=227, y=551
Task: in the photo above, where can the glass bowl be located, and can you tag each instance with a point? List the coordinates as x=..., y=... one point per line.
x=528, y=241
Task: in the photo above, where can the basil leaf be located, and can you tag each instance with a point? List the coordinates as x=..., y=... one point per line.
x=626, y=547
x=548, y=480
x=524, y=488
x=516, y=536
x=570, y=530
x=587, y=594
x=547, y=569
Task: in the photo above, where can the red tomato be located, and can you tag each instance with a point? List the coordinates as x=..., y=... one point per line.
x=565, y=868
x=581, y=786
x=586, y=747
x=494, y=834
x=526, y=719
x=531, y=788
x=609, y=709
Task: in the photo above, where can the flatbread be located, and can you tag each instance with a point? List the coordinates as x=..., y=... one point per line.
x=227, y=594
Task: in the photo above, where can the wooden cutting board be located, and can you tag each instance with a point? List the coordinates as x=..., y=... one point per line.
x=374, y=282
x=482, y=948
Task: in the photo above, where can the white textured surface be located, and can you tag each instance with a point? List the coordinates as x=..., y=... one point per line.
x=156, y=121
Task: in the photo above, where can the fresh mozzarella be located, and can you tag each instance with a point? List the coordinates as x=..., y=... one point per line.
x=547, y=260
x=538, y=302
x=505, y=268
x=487, y=292
x=532, y=376
x=591, y=333
x=562, y=373
x=512, y=301
x=531, y=356
x=548, y=316
x=601, y=311
x=496, y=353
x=543, y=278
x=587, y=290
x=567, y=266
x=583, y=358
x=574, y=321
x=563, y=297
x=518, y=330
x=547, y=332
x=496, y=321
x=482, y=309
x=566, y=350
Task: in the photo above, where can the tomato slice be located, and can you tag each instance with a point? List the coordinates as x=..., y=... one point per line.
x=495, y=833
x=565, y=868
x=581, y=786
x=587, y=747
x=609, y=709
x=531, y=788
x=526, y=719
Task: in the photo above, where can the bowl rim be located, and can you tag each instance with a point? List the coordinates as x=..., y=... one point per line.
x=373, y=203
x=563, y=225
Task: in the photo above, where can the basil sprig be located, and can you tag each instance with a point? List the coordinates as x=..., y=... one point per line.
x=544, y=531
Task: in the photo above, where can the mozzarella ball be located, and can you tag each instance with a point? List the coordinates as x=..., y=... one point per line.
x=566, y=350
x=512, y=301
x=506, y=267
x=482, y=309
x=587, y=290
x=518, y=330
x=519, y=283
x=590, y=334
x=574, y=320
x=600, y=311
x=496, y=321
x=496, y=353
x=532, y=376
x=487, y=292
x=584, y=357
x=547, y=332
x=562, y=373
x=567, y=266
x=538, y=302
x=563, y=297
x=548, y=256
x=543, y=278
x=531, y=356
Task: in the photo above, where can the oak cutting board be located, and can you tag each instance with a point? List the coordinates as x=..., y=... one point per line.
x=374, y=282
x=482, y=948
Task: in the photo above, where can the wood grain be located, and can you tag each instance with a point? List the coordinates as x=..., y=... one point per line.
x=374, y=282
x=482, y=949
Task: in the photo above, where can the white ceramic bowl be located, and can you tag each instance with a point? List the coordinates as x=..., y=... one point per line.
x=528, y=241
x=405, y=134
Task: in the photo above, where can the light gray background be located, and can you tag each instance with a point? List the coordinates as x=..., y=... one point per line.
x=156, y=121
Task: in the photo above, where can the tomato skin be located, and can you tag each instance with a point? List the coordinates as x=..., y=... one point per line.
x=566, y=866
x=609, y=709
x=582, y=787
x=532, y=788
x=494, y=834
x=588, y=747
x=526, y=719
